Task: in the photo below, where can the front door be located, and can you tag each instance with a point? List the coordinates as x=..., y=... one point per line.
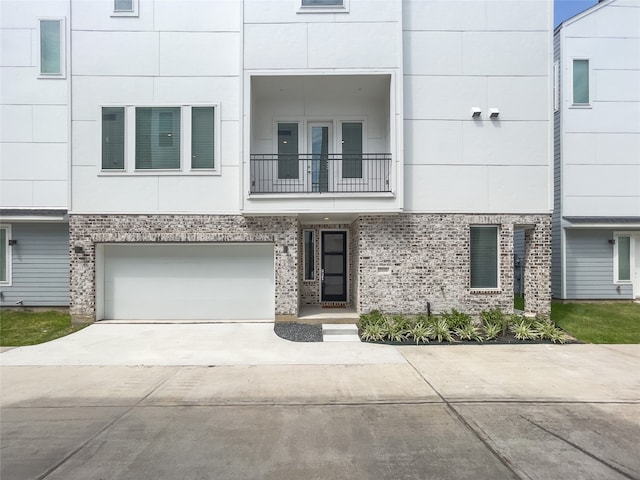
x=334, y=267
x=320, y=144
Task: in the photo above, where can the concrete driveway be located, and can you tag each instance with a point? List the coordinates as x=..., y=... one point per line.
x=168, y=404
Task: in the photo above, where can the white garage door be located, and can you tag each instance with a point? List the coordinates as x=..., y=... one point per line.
x=188, y=282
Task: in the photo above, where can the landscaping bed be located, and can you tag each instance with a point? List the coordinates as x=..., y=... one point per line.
x=453, y=327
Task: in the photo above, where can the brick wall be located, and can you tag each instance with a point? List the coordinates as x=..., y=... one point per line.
x=88, y=230
x=428, y=260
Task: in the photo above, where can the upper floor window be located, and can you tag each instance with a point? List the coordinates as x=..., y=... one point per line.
x=581, y=82
x=334, y=6
x=125, y=8
x=484, y=257
x=52, y=48
x=160, y=138
x=5, y=255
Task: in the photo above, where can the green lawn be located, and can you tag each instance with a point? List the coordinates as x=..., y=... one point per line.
x=599, y=322
x=29, y=328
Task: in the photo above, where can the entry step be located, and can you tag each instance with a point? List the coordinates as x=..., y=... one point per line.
x=340, y=332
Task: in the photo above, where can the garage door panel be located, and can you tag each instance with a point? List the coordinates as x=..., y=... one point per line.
x=189, y=282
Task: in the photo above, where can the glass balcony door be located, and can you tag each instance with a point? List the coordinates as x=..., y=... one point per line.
x=320, y=146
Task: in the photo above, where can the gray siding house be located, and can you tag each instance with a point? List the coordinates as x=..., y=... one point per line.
x=596, y=220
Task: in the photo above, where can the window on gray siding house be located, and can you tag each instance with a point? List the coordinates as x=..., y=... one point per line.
x=624, y=259
x=113, y=138
x=4, y=255
x=51, y=47
x=202, y=137
x=309, y=255
x=581, y=82
x=157, y=138
x=484, y=257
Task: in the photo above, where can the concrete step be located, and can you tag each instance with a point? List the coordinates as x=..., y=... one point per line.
x=340, y=332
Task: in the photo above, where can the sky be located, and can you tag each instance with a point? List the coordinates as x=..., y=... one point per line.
x=564, y=9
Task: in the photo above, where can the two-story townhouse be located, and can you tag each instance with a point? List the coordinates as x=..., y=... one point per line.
x=246, y=159
x=597, y=154
x=34, y=153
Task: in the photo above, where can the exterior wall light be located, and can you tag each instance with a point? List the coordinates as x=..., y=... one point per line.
x=494, y=113
x=78, y=249
x=13, y=242
x=476, y=112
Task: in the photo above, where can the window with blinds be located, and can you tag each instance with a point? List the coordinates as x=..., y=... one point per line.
x=51, y=47
x=4, y=255
x=202, y=137
x=484, y=257
x=113, y=138
x=157, y=138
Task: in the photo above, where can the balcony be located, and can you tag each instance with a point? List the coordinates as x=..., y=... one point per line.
x=320, y=173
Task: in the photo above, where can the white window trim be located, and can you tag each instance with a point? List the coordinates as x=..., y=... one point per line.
x=185, y=168
x=344, y=8
x=497, y=288
x=632, y=257
x=581, y=105
x=63, y=49
x=125, y=13
x=304, y=256
x=8, y=281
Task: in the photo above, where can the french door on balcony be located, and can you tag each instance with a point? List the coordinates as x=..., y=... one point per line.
x=320, y=147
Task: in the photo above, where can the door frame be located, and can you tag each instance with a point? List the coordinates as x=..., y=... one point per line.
x=347, y=271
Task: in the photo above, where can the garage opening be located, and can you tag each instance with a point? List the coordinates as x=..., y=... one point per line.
x=185, y=282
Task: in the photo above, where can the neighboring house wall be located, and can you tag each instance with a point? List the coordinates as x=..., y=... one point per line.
x=590, y=266
x=34, y=150
x=39, y=266
x=597, y=150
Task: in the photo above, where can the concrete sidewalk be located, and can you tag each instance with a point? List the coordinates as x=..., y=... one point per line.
x=204, y=407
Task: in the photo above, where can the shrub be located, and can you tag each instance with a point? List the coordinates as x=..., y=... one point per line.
x=523, y=329
x=492, y=330
x=547, y=330
x=440, y=330
x=395, y=328
x=373, y=332
x=421, y=332
x=456, y=319
x=495, y=319
x=469, y=332
x=375, y=317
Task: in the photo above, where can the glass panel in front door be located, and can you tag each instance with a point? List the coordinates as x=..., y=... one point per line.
x=319, y=157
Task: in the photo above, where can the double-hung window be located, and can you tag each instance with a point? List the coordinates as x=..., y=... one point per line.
x=484, y=257
x=52, y=48
x=5, y=255
x=319, y=6
x=622, y=258
x=160, y=138
x=580, y=82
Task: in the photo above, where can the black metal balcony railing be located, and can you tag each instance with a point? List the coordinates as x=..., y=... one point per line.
x=313, y=173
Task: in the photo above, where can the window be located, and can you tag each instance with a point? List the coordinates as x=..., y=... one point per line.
x=5, y=255
x=113, y=138
x=581, y=82
x=157, y=138
x=322, y=3
x=309, y=254
x=351, y=150
x=288, y=164
x=202, y=137
x=323, y=6
x=125, y=8
x=556, y=86
x=51, y=48
x=622, y=254
x=484, y=257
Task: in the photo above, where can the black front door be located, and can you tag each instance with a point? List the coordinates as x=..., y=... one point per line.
x=334, y=266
